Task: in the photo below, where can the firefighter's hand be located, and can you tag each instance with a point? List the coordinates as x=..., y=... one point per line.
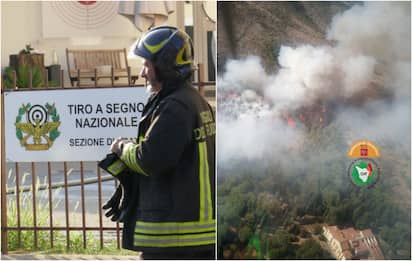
x=118, y=144
x=113, y=205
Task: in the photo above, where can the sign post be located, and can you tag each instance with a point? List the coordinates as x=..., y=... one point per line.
x=3, y=182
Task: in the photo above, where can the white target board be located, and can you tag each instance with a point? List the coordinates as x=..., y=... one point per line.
x=84, y=19
x=69, y=125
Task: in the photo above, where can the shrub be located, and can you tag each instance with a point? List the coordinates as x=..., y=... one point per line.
x=22, y=77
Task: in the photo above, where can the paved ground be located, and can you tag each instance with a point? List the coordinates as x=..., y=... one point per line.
x=66, y=257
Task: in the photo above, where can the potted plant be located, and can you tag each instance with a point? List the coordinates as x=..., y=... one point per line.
x=26, y=57
x=24, y=62
x=23, y=76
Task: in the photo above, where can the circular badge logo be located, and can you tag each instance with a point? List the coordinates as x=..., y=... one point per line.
x=364, y=172
x=40, y=129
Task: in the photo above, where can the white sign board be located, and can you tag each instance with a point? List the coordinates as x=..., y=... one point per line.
x=69, y=125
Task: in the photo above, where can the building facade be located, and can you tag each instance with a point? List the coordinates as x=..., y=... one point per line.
x=350, y=243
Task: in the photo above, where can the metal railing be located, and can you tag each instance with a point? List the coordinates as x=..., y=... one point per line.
x=17, y=189
x=50, y=185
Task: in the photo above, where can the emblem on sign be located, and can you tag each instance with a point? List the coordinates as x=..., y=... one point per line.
x=37, y=126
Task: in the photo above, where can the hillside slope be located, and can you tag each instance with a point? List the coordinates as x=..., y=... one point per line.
x=247, y=28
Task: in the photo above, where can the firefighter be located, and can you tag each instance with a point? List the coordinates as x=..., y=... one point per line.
x=171, y=204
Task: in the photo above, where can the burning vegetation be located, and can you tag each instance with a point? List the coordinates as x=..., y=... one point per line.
x=321, y=113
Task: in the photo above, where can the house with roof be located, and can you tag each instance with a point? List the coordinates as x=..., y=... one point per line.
x=350, y=243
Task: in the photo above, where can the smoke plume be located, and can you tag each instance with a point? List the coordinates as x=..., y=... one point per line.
x=365, y=74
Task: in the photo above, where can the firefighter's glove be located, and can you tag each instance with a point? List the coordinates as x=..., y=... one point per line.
x=118, y=205
x=113, y=165
x=113, y=204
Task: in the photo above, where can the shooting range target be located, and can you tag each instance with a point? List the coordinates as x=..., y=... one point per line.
x=37, y=112
x=85, y=15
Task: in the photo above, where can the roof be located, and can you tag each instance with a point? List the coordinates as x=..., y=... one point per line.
x=367, y=233
x=376, y=252
x=347, y=254
x=356, y=243
x=335, y=232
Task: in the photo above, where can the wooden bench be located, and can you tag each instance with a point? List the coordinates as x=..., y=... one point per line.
x=98, y=64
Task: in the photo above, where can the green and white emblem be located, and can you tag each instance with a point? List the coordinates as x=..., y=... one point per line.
x=35, y=131
x=364, y=172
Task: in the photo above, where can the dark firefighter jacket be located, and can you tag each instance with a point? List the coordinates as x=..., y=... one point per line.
x=174, y=163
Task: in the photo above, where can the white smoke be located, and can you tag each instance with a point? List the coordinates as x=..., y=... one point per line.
x=377, y=29
x=244, y=74
x=308, y=73
x=372, y=45
x=252, y=138
x=381, y=30
x=380, y=122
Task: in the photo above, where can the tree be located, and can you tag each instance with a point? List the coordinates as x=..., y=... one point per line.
x=280, y=245
x=310, y=249
x=245, y=232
